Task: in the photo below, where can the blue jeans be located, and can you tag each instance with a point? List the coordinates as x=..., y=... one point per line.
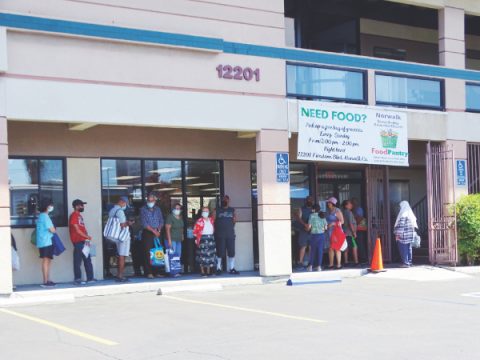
x=316, y=249
x=177, y=248
x=78, y=256
x=405, y=252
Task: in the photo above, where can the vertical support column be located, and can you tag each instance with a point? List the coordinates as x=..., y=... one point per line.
x=274, y=224
x=371, y=86
x=5, y=244
x=451, y=44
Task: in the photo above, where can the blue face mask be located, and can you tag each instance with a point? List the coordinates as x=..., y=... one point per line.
x=124, y=207
x=150, y=204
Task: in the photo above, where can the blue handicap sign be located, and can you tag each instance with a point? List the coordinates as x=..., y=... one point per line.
x=461, y=172
x=282, y=168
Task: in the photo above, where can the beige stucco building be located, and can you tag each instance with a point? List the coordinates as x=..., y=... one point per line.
x=195, y=99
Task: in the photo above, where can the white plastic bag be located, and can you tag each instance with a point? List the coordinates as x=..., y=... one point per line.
x=86, y=249
x=15, y=260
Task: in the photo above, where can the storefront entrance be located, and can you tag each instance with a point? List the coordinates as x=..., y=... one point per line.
x=341, y=184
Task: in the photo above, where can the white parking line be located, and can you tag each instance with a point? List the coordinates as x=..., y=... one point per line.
x=472, y=294
x=238, y=308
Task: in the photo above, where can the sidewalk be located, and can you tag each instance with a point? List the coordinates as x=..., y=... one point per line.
x=26, y=295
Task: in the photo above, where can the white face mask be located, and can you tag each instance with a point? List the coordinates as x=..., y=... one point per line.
x=205, y=214
x=150, y=204
x=176, y=212
x=50, y=209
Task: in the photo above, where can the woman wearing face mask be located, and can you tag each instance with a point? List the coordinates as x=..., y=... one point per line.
x=174, y=230
x=333, y=216
x=45, y=231
x=206, y=252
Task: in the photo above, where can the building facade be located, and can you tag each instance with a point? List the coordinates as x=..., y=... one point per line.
x=195, y=99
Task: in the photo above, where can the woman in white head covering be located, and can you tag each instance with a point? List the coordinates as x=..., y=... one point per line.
x=404, y=230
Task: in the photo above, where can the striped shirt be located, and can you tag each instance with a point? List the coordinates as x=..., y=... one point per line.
x=404, y=230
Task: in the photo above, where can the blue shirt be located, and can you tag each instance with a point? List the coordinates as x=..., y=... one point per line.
x=151, y=217
x=118, y=212
x=44, y=236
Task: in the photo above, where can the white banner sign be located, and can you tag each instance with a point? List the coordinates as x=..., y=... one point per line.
x=342, y=133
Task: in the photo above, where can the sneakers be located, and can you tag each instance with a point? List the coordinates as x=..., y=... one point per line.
x=219, y=272
x=79, y=282
x=318, y=268
x=92, y=281
x=234, y=272
x=48, y=284
x=121, y=280
x=309, y=268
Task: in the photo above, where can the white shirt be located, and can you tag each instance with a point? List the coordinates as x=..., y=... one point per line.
x=207, y=228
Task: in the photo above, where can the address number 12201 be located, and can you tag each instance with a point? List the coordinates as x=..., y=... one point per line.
x=237, y=73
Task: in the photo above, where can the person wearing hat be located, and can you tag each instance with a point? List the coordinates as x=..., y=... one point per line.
x=123, y=247
x=225, y=219
x=333, y=216
x=79, y=237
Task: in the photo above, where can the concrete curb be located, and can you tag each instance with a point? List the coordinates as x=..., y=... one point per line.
x=15, y=300
x=70, y=293
x=464, y=269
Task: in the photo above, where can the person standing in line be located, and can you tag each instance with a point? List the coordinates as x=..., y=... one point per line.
x=123, y=247
x=350, y=230
x=44, y=234
x=152, y=222
x=317, y=225
x=174, y=228
x=333, y=216
x=404, y=231
x=225, y=219
x=136, y=250
x=304, y=236
x=362, y=229
x=79, y=237
x=205, y=241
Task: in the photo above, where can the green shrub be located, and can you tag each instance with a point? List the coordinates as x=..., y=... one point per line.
x=468, y=228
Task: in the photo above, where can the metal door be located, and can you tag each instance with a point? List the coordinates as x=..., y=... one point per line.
x=379, y=210
x=442, y=232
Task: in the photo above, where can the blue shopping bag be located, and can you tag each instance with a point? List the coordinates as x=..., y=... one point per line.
x=58, y=246
x=157, y=254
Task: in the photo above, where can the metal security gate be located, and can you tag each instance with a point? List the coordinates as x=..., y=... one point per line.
x=473, y=168
x=378, y=204
x=442, y=233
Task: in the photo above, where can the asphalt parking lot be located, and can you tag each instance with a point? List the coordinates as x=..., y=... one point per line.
x=362, y=318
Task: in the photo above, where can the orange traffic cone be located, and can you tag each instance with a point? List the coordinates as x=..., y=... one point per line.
x=377, y=261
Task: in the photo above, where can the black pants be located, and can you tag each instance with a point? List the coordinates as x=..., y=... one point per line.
x=362, y=246
x=225, y=241
x=138, y=257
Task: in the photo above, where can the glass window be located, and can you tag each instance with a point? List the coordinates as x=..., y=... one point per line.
x=324, y=83
x=122, y=178
x=408, y=92
x=31, y=180
x=164, y=179
x=202, y=184
x=473, y=97
x=299, y=184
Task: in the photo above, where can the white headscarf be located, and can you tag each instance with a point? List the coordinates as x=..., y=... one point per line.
x=406, y=211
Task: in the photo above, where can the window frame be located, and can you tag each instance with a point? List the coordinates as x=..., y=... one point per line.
x=470, y=110
x=65, y=188
x=364, y=73
x=412, y=106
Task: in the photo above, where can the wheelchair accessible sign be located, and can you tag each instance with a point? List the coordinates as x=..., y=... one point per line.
x=282, y=168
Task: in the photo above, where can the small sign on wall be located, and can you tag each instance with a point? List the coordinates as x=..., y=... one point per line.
x=282, y=168
x=461, y=172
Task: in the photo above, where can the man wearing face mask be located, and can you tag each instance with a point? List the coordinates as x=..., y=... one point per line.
x=123, y=247
x=225, y=235
x=152, y=222
x=79, y=236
